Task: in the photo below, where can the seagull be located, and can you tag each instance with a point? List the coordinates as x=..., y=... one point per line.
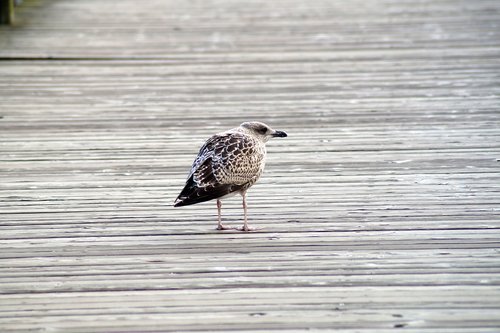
x=229, y=163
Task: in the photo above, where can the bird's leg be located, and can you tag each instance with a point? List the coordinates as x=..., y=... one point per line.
x=219, y=225
x=245, y=224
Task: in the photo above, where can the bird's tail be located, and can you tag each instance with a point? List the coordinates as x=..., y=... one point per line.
x=187, y=194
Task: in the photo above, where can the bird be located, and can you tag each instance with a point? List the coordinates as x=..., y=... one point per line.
x=229, y=163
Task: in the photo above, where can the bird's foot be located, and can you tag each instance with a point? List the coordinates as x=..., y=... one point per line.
x=247, y=228
x=223, y=227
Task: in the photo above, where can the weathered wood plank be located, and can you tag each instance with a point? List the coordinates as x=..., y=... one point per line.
x=380, y=210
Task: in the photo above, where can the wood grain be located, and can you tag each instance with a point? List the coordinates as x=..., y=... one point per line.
x=380, y=211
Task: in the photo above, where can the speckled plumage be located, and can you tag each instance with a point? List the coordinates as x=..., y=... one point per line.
x=229, y=162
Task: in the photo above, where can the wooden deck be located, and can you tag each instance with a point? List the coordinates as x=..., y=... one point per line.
x=381, y=210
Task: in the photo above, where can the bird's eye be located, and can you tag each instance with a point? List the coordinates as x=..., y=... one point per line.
x=262, y=130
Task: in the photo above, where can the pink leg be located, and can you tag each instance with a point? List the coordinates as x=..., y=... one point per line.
x=219, y=225
x=245, y=224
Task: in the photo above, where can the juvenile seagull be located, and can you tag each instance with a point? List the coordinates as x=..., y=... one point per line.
x=228, y=163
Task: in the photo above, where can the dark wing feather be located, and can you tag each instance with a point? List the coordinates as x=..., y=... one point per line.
x=205, y=188
x=192, y=194
x=207, y=151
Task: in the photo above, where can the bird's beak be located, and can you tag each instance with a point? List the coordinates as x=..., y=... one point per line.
x=280, y=134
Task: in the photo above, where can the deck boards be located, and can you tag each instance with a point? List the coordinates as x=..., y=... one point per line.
x=380, y=211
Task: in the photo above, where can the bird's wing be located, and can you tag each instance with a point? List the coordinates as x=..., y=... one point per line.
x=207, y=151
x=235, y=159
x=225, y=164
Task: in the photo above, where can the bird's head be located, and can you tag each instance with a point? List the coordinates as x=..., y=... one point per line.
x=261, y=130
